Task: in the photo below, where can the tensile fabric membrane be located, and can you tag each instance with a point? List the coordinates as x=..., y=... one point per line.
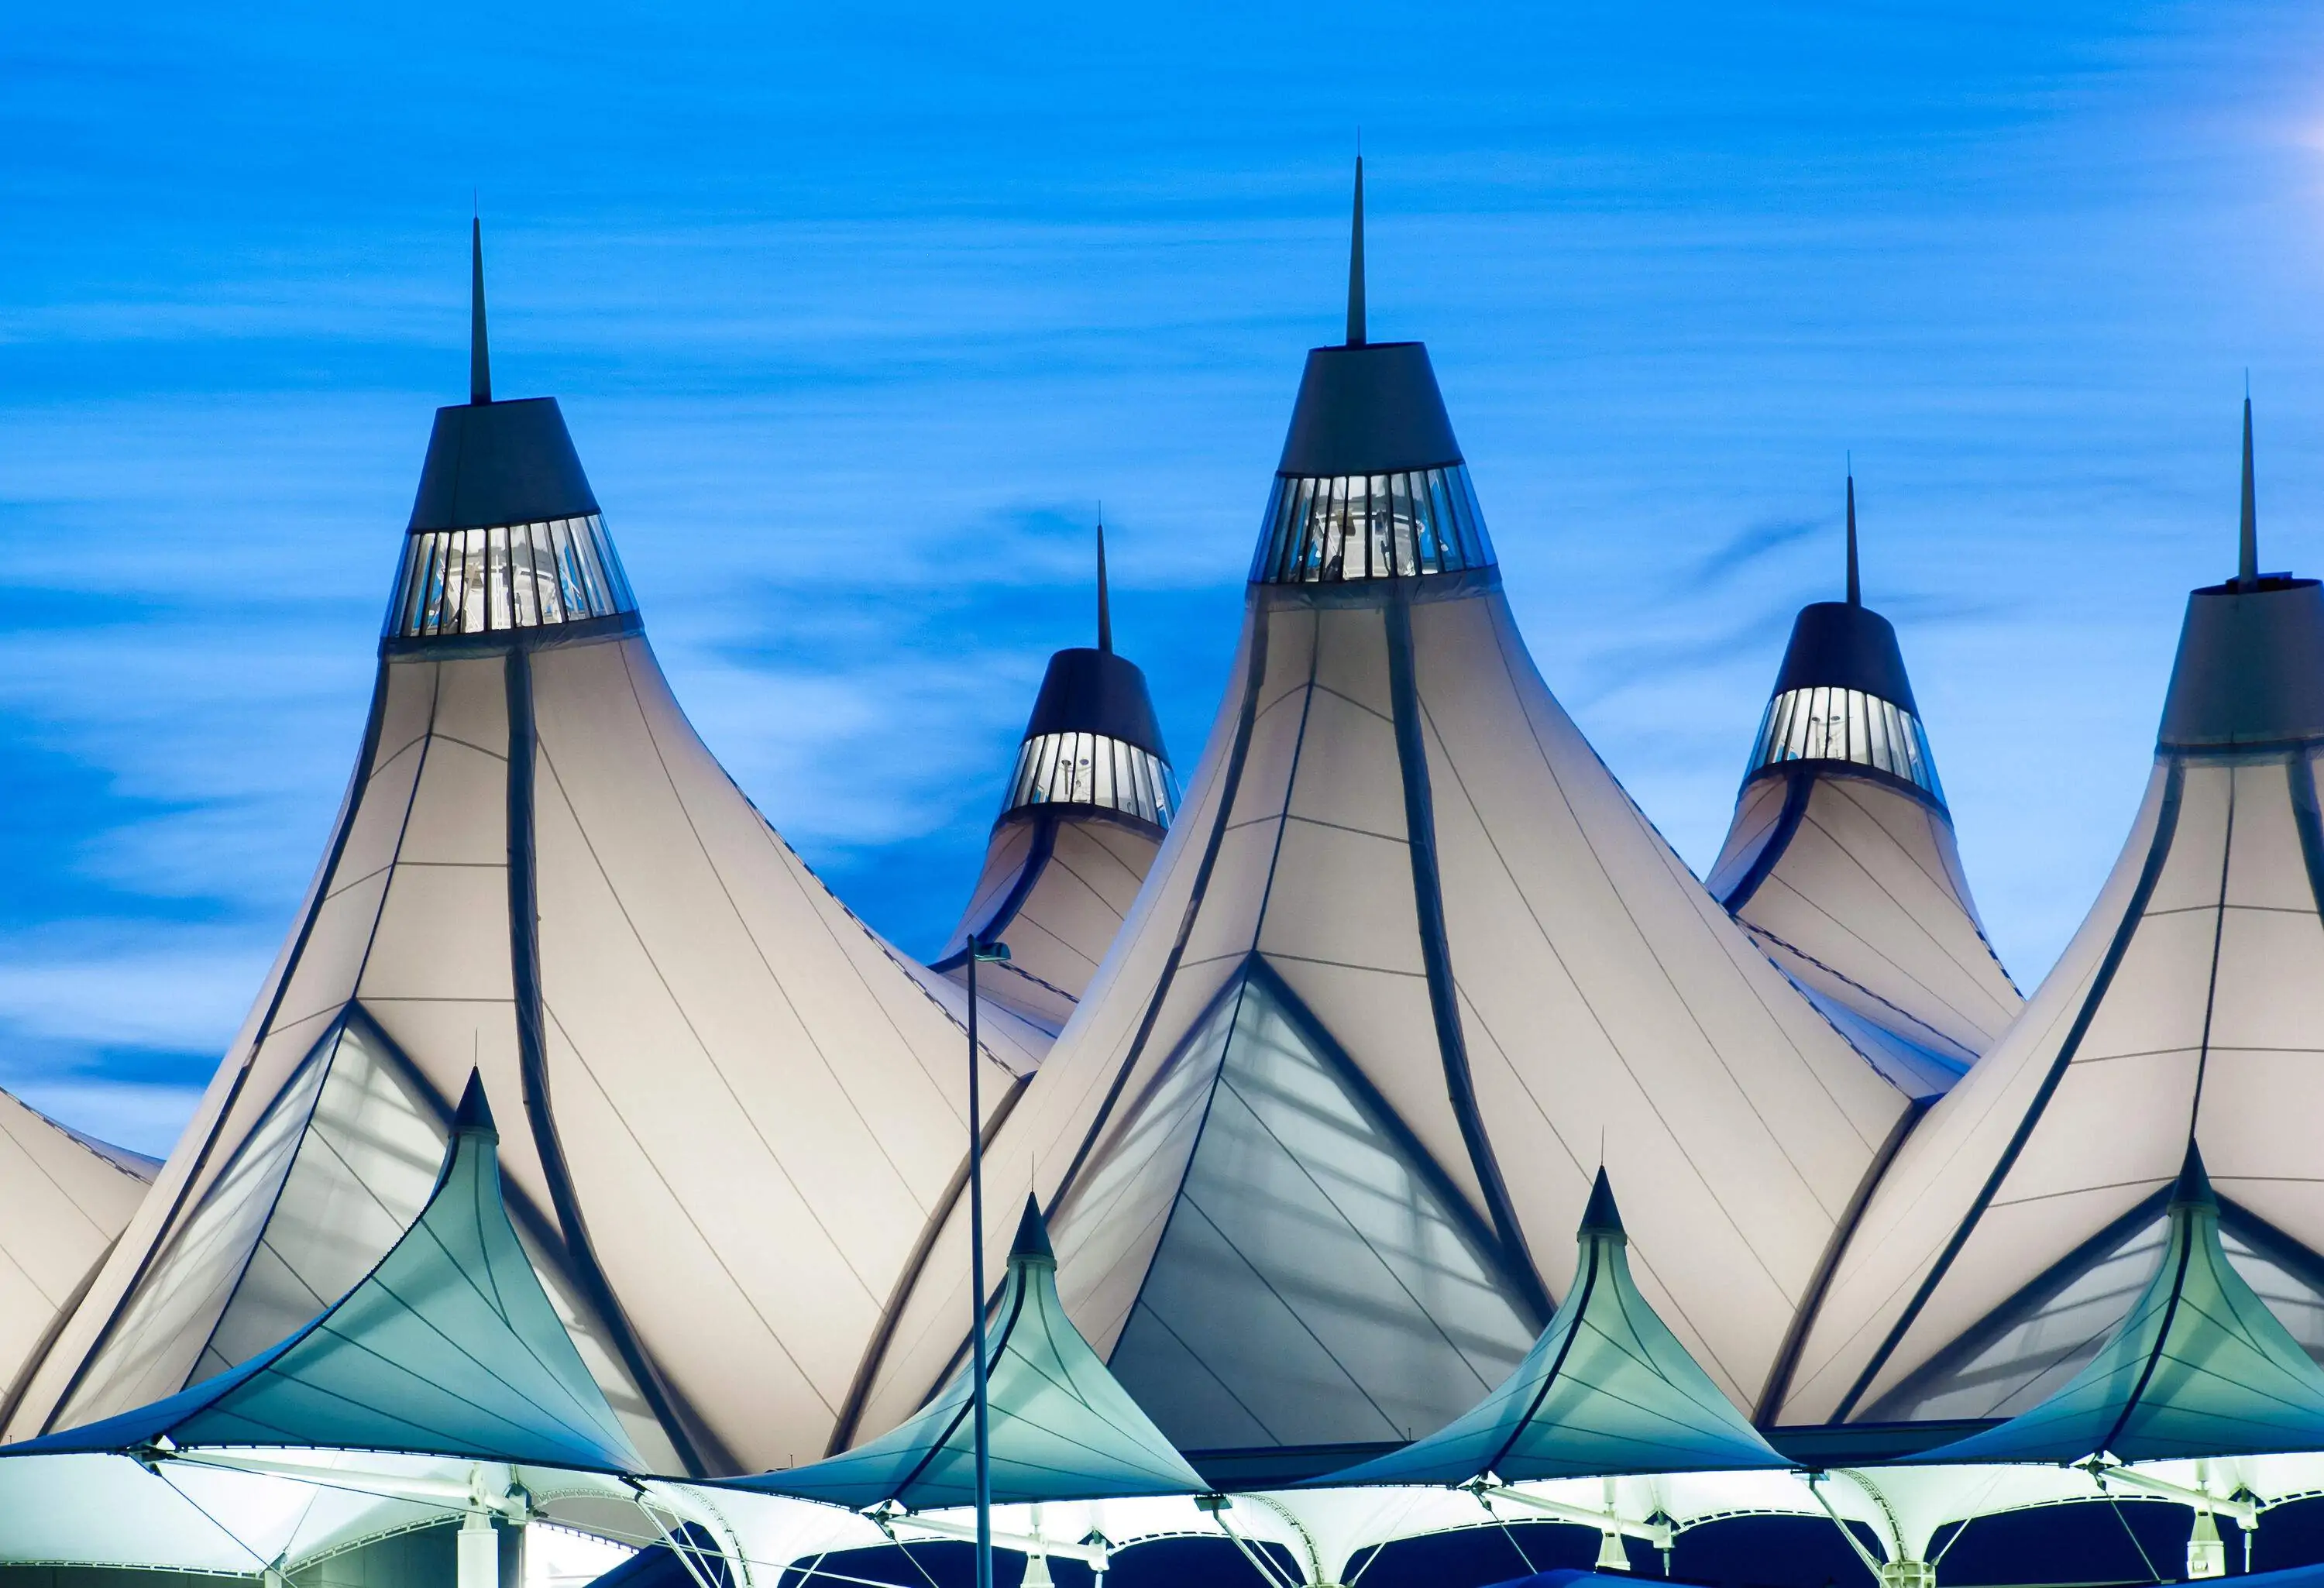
x=1841, y=860
x=1090, y=796
x=68, y=1199
x=2199, y=1367
x=741, y=1113
x=448, y=1347
x=1606, y=1390
x=1314, y=1144
x=1061, y=1428
x=2027, y=1212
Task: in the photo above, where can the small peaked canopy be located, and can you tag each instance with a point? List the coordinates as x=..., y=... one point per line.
x=1606, y=1391
x=1061, y=1428
x=448, y=1347
x=2200, y=1367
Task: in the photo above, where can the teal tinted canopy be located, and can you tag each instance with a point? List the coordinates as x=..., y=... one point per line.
x=448, y=1347
x=1062, y=1427
x=1607, y=1390
x=2200, y=1367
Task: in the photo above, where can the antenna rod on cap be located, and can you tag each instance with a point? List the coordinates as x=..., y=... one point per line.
x=1356, y=265
x=2248, y=565
x=1104, y=607
x=1855, y=588
x=480, y=358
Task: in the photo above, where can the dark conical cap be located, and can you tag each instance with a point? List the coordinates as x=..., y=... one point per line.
x=475, y=1115
x=497, y=463
x=2250, y=669
x=1838, y=644
x=2193, y=1187
x=1088, y=691
x=1366, y=407
x=1601, y=1217
x=1032, y=1243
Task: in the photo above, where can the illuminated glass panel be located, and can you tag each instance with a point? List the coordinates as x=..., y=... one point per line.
x=510, y=577
x=1846, y=724
x=1311, y=1251
x=2026, y=1357
x=1327, y=530
x=2032, y=1353
x=1091, y=769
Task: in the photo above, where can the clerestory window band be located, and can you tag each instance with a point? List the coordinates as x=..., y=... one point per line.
x=1092, y=768
x=1828, y=724
x=508, y=577
x=1327, y=530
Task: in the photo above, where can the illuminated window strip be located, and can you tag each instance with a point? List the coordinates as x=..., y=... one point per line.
x=1334, y=530
x=1847, y=725
x=509, y=576
x=1091, y=769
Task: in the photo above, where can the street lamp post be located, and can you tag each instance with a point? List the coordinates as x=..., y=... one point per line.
x=988, y=950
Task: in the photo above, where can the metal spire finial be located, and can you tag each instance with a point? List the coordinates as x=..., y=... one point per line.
x=1855, y=588
x=1356, y=264
x=1104, y=607
x=480, y=358
x=2247, y=563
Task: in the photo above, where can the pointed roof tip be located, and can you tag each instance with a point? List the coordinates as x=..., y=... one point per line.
x=1032, y=1243
x=2247, y=538
x=1105, y=606
x=1356, y=264
x=2193, y=1188
x=480, y=360
x=1601, y=1217
x=474, y=1114
x=1855, y=585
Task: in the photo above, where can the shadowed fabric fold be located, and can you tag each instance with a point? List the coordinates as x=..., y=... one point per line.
x=1062, y=1427
x=2200, y=1367
x=448, y=1347
x=1607, y=1390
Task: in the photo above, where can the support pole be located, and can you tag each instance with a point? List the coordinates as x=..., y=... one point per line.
x=1656, y=1534
x=1093, y=1554
x=983, y=1388
x=478, y=1561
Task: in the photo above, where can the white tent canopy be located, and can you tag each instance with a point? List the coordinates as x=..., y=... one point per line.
x=1410, y=968
x=733, y=1113
x=2026, y=1211
x=67, y=1200
x=1842, y=859
x=1089, y=798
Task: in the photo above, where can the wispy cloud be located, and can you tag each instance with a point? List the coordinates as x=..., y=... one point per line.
x=162, y=990
x=1748, y=547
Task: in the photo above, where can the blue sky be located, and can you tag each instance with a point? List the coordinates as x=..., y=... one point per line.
x=856, y=313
